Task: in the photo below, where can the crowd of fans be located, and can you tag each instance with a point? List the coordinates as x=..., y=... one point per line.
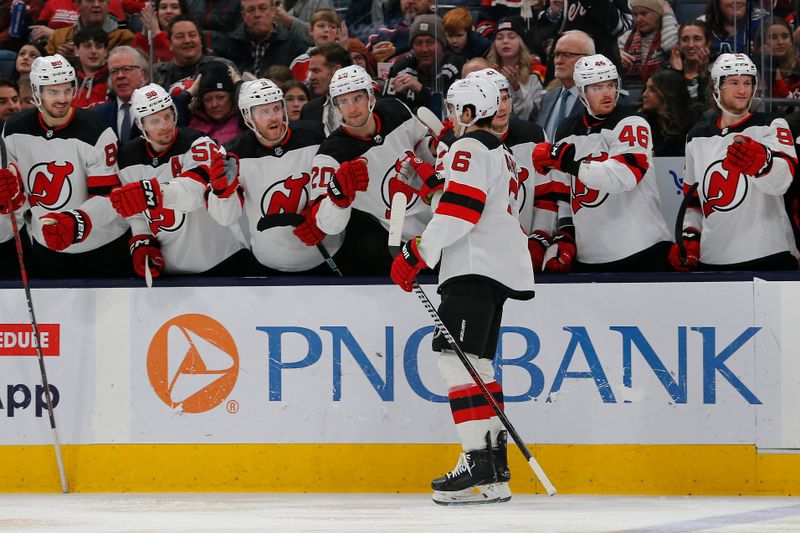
x=201, y=51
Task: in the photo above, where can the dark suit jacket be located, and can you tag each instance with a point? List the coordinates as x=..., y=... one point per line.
x=548, y=105
x=107, y=112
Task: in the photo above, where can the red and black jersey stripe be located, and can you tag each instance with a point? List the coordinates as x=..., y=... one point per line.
x=791, y=161
x=101, y=185
x=468, y=403
x=545, y=197
x=198, y=173
x=462, y=201
x=637, y=163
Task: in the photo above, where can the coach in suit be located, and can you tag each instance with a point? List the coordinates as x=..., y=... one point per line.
x=559, y=103
x=128, y=70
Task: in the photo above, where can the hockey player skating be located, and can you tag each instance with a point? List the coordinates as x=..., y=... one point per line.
x=536, y=202
x=65, y=165
x=743, y=163
x=166, y=173
x=274, y=161
x=471, y=228
x=361, y=157
x=609, y=211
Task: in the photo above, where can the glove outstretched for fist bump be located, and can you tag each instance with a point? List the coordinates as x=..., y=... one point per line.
x=351, y=177
x=691, y=243
x=224, y=174
x=748, y=156
x=62, y=230
x=137, y=197
x=419, y=176
x=562, y=262
x=407, y=265
x=548, y=156
x=146, y=247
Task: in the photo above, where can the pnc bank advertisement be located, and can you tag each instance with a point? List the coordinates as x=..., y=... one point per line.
x=600, y=363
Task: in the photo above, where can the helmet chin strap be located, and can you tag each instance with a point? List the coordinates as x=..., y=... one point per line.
x=372, y=101
x=248, y=121
x=585, y=102
x=734, y=116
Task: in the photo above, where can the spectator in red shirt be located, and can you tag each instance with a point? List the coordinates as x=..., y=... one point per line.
x=158, y=21
x=91, y=47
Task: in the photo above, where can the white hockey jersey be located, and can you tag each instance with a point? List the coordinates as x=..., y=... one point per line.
x=474, y=231
x=70, y=167
x=276, y=180
x=192, y=242
x=741, y=218
x=398, y=131
x=614, y=202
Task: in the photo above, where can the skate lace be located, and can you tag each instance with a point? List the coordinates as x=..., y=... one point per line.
x=461, y=467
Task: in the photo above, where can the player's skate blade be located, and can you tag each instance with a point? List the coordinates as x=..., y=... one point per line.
x=503, y=491
x=479, y=494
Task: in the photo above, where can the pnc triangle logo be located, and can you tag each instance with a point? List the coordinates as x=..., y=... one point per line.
x=192, y=363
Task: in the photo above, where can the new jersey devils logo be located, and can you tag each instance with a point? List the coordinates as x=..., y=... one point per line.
x=390, y=185
x=518, y=190
x=724, y=188
x=583, y=196
x=286, y=196
x=50, y=185
x=164, y=220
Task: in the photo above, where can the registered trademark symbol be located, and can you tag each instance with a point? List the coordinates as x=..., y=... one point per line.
x=233, y=406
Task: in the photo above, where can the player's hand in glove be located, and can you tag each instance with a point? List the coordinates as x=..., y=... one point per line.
x=748, y=156
x=11, y=195
x=136, y=197
x=146, y=247
x=691, y=243
x=548, y=156
x=419, y=176
x=407, y=265
x=62, y=230
x=562, y=262
x=308, y=231
x=538, y=243
x=224, y=174
x=351, y=177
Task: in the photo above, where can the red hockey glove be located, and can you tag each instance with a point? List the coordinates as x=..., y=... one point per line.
x=136, y=197
x=538, y=243
x=407, y=265
x=146, y=246
x=419, y=176
x=691, y=242
x=562, y=262
x=62, y=230
x=352, y=176
x=447, y=127
x=749, y=157
x=548, y=156
x=224, y=174
x=308, y=231
x=11, y=195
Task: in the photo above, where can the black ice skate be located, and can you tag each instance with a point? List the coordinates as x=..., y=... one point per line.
x=500, y=457
x=472, y=481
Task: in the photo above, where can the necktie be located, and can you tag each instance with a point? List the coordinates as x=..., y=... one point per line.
x=125, y=127
x=563, y=104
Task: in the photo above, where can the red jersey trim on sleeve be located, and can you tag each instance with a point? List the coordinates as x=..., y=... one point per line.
x=102, y=185
x=462, y=201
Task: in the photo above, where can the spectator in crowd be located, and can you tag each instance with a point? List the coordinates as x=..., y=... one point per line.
x=298, y=28
x=691, y=58
x=774, y=44
x=603, y=20
x=213, y=110
x=509, y=55
x=259, y=42
x=668, y=108
x=217, y=18
x=91, y=47
x=562, y=100
x=188, y=54
x=25, y=57
x=462, y=40
x=295, y=96
x=127, y=71
x=427, y=71
x=363, y=17
x=32, y=13
x=9, y=100
x=304, y=10
x=325, y=61
x=156, y=19
x=646, y=47
x=278, y=74
x=730, y=29
x=92, y=14
x=324, y=29
x=399, y=17
x=63, y=13
x=361, y=57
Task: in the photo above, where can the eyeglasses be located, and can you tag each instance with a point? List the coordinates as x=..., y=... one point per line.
x=123, y=70
x=567, y=55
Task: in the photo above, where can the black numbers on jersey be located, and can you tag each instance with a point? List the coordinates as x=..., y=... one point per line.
x=642, y=136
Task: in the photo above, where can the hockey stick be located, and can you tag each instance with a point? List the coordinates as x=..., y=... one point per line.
x=679, y=222
x=395, y=237
x=430, y=120
x=35, y=327
x=295, y=219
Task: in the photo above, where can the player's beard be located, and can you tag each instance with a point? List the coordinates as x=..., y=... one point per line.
x=56, y=111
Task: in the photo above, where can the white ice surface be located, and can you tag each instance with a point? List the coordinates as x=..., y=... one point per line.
x=387, y=513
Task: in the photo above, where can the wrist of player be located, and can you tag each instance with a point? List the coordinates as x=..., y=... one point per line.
x=407, y=264
x=146, y=247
